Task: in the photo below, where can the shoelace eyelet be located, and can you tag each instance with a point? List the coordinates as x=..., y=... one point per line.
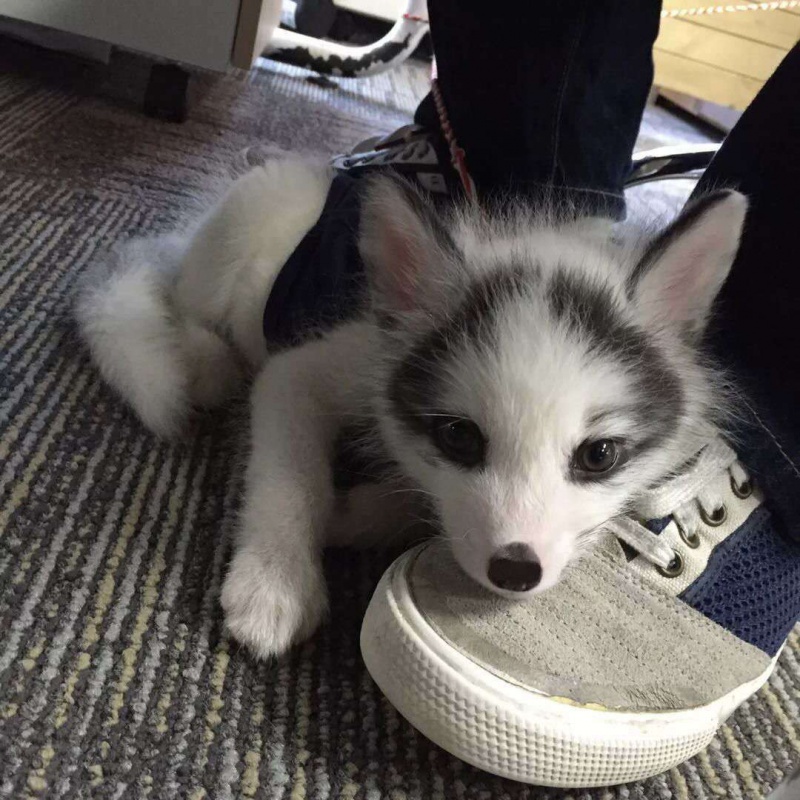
x=742, y=491
x=716, y=518
x=691, y=539
x=674, y=568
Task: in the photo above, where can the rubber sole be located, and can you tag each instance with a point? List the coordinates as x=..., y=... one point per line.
x=508, y=730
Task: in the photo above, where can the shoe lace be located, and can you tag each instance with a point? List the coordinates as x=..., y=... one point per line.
x=692, y=484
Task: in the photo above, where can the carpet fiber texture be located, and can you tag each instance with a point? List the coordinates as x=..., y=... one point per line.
x=116, y=680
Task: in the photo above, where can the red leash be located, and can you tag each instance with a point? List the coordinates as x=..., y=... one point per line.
x=458, y=157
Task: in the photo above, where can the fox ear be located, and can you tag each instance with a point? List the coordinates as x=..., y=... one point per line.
x=684, y=268
x=401, y=240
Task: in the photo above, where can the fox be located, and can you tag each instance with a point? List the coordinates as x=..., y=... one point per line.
x=519, y=375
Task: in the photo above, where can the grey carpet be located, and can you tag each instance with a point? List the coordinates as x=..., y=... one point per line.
x=115, y=678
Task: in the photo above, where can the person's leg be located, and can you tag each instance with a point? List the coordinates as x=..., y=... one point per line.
x=545, y=97
x=758, y=331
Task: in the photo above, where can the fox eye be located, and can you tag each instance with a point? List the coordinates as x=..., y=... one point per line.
x=596, y=458
x=460, y=440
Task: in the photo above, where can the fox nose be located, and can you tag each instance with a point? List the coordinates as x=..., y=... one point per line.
x=515, y=568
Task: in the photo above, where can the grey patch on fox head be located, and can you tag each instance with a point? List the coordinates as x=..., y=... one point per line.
x=413, y=389
x=589, y=310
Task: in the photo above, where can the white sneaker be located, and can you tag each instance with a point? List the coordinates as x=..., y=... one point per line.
x=624, y=669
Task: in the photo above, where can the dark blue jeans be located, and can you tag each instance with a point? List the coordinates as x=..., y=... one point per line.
x=545, y=94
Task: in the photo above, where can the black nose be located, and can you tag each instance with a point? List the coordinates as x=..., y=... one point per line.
x=515, y=568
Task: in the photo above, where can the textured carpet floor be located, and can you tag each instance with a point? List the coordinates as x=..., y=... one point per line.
x=115, y=679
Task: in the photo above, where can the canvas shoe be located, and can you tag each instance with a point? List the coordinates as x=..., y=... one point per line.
x=411, y=151
x=625, y=668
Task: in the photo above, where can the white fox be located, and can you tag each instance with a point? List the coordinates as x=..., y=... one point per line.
x=523, y=375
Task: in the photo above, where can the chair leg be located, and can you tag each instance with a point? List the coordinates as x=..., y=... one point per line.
x=166, y=97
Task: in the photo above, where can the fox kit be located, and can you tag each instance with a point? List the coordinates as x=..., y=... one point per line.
x=525, y=375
